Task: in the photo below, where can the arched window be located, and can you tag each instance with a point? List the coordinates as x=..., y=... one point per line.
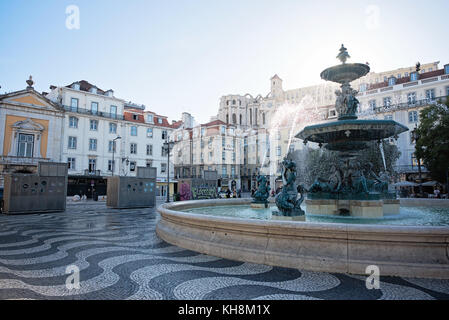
x=233, y=102
x=234, y=119
x=227, y=118
x=250, y=117
x=263, y=118
x=240, y=119
x=255, y=116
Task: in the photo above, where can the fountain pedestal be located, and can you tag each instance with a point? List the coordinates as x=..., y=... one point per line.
x=259, y=205
x=287, y=218
x=354, y=208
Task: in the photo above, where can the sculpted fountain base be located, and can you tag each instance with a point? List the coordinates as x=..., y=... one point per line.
x=353, y=208
x=259, y=205
x=287, y=218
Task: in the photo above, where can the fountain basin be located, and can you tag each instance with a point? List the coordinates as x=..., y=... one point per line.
x=408, y=251
x=344, y=73
x=350, y=135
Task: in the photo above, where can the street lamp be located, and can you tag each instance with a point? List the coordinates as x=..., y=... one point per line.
x=168, y=145
x=416, y=137
x=113, y=152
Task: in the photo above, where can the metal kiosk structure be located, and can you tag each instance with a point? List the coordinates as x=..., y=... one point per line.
x=133, y=192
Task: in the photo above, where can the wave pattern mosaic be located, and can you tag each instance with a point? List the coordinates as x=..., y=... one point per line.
x=119, y=256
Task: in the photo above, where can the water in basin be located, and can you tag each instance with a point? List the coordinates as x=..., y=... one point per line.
x=408, y=216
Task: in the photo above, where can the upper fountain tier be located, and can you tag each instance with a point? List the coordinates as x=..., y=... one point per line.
x=348, y=133
x=345, y=72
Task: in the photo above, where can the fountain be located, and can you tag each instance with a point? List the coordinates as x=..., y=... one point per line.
x=347, y=191
x=350, y=221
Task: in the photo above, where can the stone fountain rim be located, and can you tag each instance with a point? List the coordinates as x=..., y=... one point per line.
x=173, y=209
x=407, y=251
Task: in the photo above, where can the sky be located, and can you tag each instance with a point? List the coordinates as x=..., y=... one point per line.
x=183, y=55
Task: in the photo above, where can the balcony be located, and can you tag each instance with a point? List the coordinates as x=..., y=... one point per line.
x=88, y=172
x=408, y=105
x=98, y=113
x=409, y=169
x=22, y=161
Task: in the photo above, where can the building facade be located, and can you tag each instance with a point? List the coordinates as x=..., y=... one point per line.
x=96, y=133
x=30, y=126
x=264, y=126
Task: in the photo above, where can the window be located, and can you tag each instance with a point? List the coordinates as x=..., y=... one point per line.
x=223, y=129
x=150, y=132
x=26, y=145
x=447, y=91
x=94, y=107
x=227, y=118
x=224, y=171
x=413, y=116
x=72, y=143
x=411, y=98
x=163, y=167
x=150, y=118
x=223, y=142
x=113, y=111
x=111, y=146
x=362, y=87
x=278, y=135
x=372, y=104
x=223, y=156
x=388, y=117
x=92, y=165
x=446, y=69
x=406, y=74
x=133, y=130
x=234, y=118
x=74, y=105
x=132, y=166
x=93, y=144
x=149, y=149
x=413, y=76
x=233, y=156
x=203, y=131
x=112, y=127
x=73, y=122
x=93, y=125
x=164, y=134
x=159, y=120
x=412, y=137
x=135, y=117
x=240, y=119
x=278, y=151
x=430, y=94
x=149, y=163
x=71, y=163
x=133, y=148
x=392, y=81
x=111, y=165
x=263, y=118
x=387, y=101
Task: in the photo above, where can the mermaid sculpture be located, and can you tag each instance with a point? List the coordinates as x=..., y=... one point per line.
x=287, y=200
x=263, y=191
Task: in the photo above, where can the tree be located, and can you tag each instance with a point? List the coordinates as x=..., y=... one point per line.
x=432, y=139
x=313, y=163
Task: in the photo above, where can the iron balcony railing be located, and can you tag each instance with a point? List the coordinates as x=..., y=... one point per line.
x=88, y=172
x=409, y=169
x=408, y=105
x=94, y=113
x=22, y=160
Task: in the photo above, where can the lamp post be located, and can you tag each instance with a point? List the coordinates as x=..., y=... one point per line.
x=168, y=145
x=416, y=137
x=113, y=152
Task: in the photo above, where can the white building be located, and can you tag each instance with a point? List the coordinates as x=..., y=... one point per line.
x=104, y=135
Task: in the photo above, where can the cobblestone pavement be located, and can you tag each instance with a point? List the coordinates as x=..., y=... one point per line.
x=120, y=257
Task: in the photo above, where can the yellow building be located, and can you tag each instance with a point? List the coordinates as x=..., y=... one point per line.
x=30, y=127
